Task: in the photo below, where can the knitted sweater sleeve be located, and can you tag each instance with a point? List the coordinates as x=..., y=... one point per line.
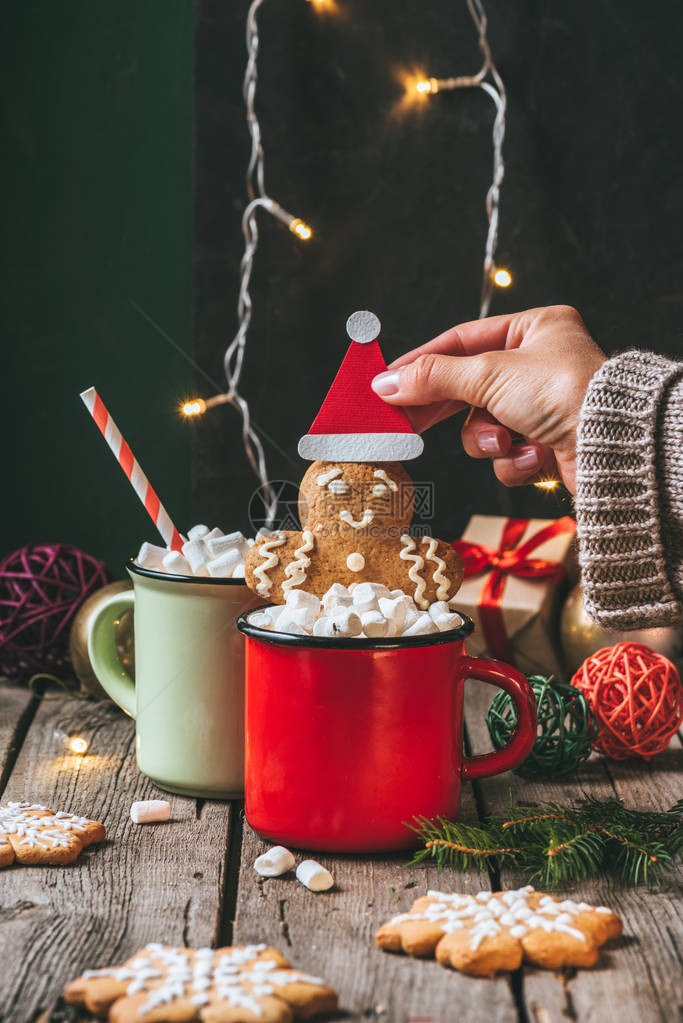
x=629, y=492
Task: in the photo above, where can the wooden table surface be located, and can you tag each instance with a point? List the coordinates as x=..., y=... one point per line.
x=191, y=882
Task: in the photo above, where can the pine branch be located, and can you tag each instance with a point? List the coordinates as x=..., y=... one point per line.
x=561, y=844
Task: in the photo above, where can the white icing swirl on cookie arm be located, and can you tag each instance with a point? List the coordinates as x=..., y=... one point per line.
x=441, y=581
x=296, y=570
x=265, y=585
x=408, y=547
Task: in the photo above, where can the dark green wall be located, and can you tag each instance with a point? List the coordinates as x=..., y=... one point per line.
x=97, y=108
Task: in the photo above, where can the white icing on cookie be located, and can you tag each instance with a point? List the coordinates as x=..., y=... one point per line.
x=355, y=562
x=324, y=478
x=265, y=585
x=441, y=581
x=347, y=517
x=380, y=474
x=488, y=914
x=238, y=977
x=338, y=487
x=296, y=569
x=37, y=829
x=409, y=545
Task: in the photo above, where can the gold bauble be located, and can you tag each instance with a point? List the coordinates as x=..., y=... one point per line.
x=78, y=639
x=581, y=637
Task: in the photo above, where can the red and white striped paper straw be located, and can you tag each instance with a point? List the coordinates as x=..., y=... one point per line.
x=130, y=465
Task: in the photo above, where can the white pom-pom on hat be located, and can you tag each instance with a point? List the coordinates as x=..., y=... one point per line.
x=363, y=327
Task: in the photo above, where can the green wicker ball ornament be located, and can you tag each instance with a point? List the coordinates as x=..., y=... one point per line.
x=566, y=727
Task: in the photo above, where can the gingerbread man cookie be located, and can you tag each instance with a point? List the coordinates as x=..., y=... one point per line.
x=491, y=931
x=224, y=985
x=355, y=520
x=30, y=833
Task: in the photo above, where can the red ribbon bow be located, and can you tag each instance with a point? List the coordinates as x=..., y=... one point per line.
x=508, y=559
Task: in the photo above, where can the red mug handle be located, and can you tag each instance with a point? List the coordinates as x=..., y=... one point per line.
x=495, y=673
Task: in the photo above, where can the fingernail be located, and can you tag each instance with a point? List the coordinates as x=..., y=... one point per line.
x=488, y=441
x=527, y=459
x=385, y=383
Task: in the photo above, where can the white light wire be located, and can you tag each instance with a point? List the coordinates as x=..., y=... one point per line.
x=259, y=199
x=496, y=90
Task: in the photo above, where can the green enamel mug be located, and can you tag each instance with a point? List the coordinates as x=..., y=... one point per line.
x=188, y=695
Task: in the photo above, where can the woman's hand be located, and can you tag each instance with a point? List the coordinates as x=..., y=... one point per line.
x=525, y=376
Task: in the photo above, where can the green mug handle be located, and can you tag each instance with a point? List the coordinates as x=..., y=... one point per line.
x=103, y=654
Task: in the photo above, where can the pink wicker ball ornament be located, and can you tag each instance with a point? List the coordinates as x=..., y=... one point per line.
x=42, y=587
x=636, y=696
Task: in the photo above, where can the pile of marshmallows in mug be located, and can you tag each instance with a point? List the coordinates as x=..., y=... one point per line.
x=359, y=611
x=207, y=552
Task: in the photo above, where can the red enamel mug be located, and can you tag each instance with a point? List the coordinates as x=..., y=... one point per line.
x=347, y=739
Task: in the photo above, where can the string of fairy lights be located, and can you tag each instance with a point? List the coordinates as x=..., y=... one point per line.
x=418, y=88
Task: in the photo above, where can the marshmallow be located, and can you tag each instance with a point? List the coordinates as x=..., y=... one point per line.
x=423, y=626
x=438, y=608
x=276, y=861
x=213, y=534
x=336, y=596
x=374, y=624
x=147, y=811
x=324, y=627
x=346, y=622
x=197, y=556
x=314, y=876
x=176, y=564
x=225, y=564
x=261, y=620
x=303, y=616
x=221, y=544
x=301, y=599
x=450, y=621
x=197, y=532
x=394, y=609
x=293, y=629
x=151, y=556
x=412, y=615
x=238, y=571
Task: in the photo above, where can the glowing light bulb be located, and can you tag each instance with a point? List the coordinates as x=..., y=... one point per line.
x=301, y=229
x=77, y=744
x=426, y=85
x=547, y=484
x=194, y=408
x=503, y=278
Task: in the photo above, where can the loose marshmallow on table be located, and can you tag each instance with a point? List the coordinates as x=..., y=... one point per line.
x=197, y=556
x=314, y=876
x=176, y=564
x=151, y=556
x=147, y=811
x=275, y=862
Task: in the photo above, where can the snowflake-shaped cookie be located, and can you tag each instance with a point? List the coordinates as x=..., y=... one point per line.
x=491, y=931
x=30, y=833
x=161, y=984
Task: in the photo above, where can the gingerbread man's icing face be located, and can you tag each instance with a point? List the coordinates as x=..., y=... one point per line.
x=350, y=499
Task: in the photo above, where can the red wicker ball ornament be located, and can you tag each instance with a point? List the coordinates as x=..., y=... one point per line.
x=636, y=696
x=42, y=587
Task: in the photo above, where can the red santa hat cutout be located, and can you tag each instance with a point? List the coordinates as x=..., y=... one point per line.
x=354, y=424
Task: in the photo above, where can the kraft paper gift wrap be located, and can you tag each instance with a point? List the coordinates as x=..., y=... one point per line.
x=529, y=603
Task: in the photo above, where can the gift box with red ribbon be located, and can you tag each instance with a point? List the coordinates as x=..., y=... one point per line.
x=515, y=572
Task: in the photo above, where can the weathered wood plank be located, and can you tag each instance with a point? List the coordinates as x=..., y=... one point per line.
x=639, y=976
x=145, y=883
x=17, y=707
x=332, y=934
